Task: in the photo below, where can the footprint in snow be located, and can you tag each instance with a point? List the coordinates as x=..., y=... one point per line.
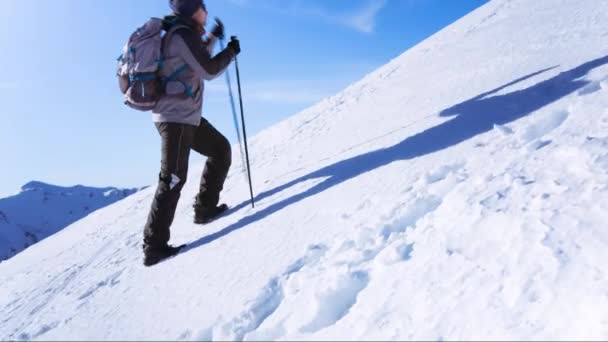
x=110, y=281
x=495, y=201
x=590, y=89
x=397, y=253
x=43, y=329
x=405, y=251
x=266, y=303
x=503, y=130
x=412, y=214
x=537, y=145
x=604, y=119
x=442, y=172
x=335, y=302
x=544, y=125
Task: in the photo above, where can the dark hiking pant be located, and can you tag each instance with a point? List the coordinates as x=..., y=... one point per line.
x=176, y=142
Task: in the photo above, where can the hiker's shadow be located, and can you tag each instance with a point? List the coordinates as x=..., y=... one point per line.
x=469, y=119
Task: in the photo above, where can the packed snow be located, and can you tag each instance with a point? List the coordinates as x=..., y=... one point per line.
x=40, y=210
x=459, y=192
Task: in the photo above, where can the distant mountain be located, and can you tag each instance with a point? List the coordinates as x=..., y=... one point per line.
x=41, y=210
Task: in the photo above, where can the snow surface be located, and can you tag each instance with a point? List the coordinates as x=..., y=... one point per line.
x=458, y=192
x=40, y=210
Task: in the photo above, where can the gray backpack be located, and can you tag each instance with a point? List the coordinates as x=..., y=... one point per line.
x=139, y=65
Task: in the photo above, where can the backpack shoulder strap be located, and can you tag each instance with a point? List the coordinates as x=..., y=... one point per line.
x=168, y=36
x=165, y=44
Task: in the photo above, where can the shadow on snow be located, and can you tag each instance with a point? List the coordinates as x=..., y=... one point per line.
x=468, y=119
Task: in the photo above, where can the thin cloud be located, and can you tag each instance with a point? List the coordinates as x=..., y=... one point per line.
x=365, y=20
x=361, y=19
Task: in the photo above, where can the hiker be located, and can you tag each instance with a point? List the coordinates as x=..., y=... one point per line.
x=177, y=116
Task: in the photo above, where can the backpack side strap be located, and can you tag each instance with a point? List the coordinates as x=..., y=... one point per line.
x=178, y=71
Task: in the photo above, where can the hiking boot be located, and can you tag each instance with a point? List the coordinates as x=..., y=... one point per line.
x=154, y=255
x=204, y=215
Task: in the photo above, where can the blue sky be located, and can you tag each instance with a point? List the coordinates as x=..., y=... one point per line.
x=63, y=117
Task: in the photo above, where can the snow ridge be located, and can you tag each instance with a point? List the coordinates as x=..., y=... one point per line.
x=42, y=209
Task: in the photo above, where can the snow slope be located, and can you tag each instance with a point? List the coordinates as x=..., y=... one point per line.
x=40, y=210
x=458, y=192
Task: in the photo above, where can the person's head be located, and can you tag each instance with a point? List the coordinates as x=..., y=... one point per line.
x=194, y=9
x=200, y=16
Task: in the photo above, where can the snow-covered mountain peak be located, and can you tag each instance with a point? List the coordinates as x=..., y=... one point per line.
x=35, y=185
x=42, y=209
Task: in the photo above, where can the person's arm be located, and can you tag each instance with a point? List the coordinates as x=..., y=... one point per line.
x=198, y=57
x=217, y=33
x=209, y=42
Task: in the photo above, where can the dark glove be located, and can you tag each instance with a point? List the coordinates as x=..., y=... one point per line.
x=218, y=29
x=235, y=45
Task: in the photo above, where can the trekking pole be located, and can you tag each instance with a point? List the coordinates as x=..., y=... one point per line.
x=235, y=119
x=238, y=81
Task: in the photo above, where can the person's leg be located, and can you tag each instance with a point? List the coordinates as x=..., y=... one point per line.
x=212, y=144
x=176, y=141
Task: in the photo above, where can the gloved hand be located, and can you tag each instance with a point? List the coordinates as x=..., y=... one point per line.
x=218, y=29
x=235, y=45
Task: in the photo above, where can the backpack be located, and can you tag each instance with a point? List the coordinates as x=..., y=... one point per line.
x=139, y=65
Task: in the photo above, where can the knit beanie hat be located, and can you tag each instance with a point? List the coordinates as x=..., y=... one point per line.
x=186, y=8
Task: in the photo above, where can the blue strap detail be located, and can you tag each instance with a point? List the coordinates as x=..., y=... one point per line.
x=173, y=77
x=142, y=77
x=176, y=73
x=188, y=91
x=119, y=58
